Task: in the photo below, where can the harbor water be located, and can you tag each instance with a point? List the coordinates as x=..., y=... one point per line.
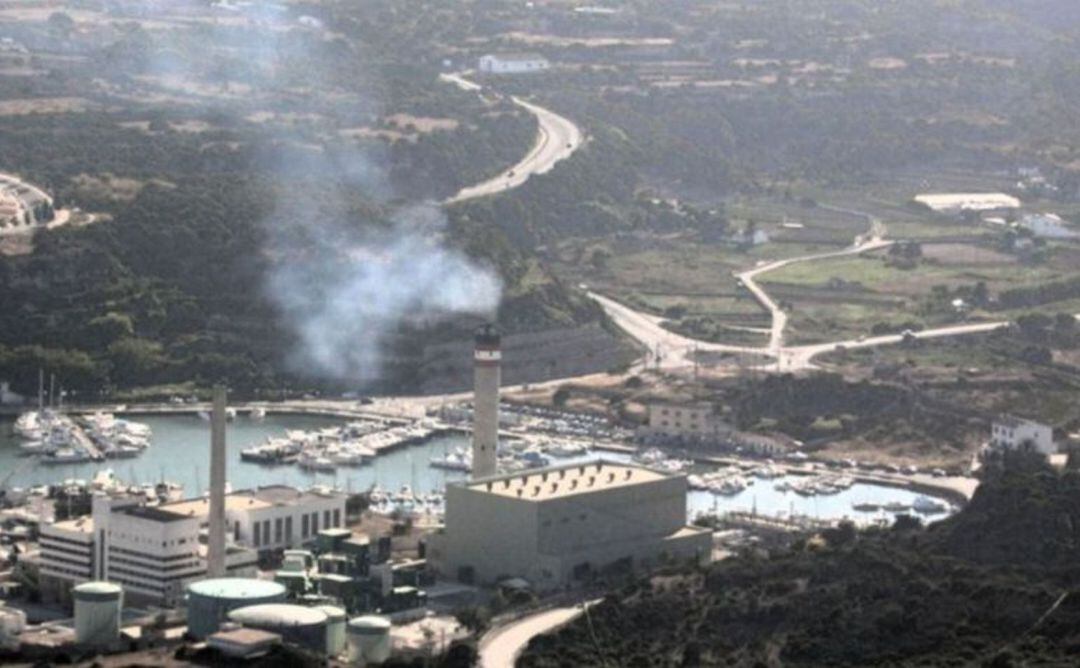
x=180, y=453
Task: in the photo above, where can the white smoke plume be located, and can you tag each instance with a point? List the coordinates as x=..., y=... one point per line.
x=343, y=284
x=349, y=291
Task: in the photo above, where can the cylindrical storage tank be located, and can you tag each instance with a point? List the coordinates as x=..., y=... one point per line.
x=12, y=624
x=335, y=629
x=369, y=640
x=210, y=601
x=97, y=613
x=294, y=623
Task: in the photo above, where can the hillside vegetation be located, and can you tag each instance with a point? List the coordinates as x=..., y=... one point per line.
x=994, y=585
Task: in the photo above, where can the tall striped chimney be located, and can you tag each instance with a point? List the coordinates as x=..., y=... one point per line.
x=215, y=563
x=486, y=376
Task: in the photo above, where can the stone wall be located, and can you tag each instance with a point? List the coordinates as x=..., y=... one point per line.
x=527, y=358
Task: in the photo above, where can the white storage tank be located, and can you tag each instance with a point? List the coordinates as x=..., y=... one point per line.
x=210, y=601
x=335, y=629
x=97, y=613
x=294, y=623
x=12, y=624
x=369, y=640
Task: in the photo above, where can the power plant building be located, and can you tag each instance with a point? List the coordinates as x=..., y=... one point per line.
x=155, y=551
x=556, y=526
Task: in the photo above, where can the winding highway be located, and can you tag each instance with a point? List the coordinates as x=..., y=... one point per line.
x=557, y=138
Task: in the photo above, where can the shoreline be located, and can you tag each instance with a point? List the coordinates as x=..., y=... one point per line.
x=958, y=490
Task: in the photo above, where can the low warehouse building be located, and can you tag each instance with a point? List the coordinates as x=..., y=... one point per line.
x=558, y=525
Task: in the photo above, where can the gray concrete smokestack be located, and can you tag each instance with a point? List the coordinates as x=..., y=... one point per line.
x=215, y=566
x=486, y=377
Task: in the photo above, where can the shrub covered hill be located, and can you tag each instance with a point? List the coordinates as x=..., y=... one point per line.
x=994, y=585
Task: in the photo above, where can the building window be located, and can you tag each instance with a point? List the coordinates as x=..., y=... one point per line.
x=266, y=531
x=255, y=534
x=278, y=526
x=337, y=517
x=315, y=522
x=304, y=526
x=326, y=519
x=288, y=529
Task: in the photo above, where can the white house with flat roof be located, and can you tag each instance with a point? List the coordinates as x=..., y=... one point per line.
x=512, y=63
x=693, y=421
x=558, y=525
x=1018, y=435
x=1047, y=225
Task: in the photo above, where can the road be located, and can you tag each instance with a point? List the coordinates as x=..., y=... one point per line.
x=799, y=357
x=557, y=138
x=779, y=318
x=500, y=647
x=676, y=350
x=666, y=349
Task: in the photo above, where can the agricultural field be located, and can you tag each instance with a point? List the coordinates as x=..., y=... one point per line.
x=846, y=297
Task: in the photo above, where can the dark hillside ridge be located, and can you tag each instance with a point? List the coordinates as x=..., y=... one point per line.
x=989, y=587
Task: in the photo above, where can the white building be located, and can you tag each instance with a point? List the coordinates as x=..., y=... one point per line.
x=955, y=203
x=273, y=517
x=556, y=526
x=1016, y=434
x=675, y=420
x=1047, y=225
x=155, y=551
x=513, y=63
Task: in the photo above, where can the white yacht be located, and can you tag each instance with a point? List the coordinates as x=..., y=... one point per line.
x=929, y=506
x=458, y=460
x=567, y=449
